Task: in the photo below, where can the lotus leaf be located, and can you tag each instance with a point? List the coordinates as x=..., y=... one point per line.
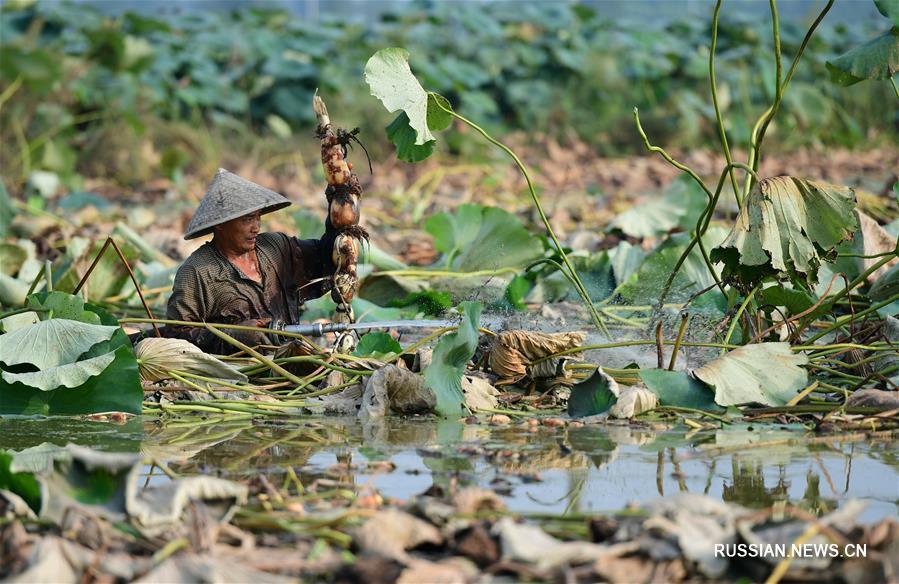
x=403, y=136
x=680, y=206
x=876, y=59
x=391, y=80
x=786, y=228
x=764, y=373
x=886, y=285
x=482, y=238
x=693, y=276
x=889, y=8
x=377, y=345
x=678, y=389
x=116, y=389
x=444, y=375
x=51, y=343
x=595, y=395
x=62, y=305
x=71, y=375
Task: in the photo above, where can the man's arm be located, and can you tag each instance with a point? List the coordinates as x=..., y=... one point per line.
x=312, y=262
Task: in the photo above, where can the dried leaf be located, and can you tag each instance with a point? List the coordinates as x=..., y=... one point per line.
x=472, y=499
x=764, y=373
x=158, y=356
x=391, y=532
x=396, y=390
x=479, y=394
x=512, y=352
x=633, y=401
x=875, y=240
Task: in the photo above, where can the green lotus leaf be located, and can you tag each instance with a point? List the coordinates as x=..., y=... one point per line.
x=377, y=344
x=116, y=389
x=876, y=59
x=61, y=305
x=391, y=80
x=680, y=206
x=71, y=375
x=51, y=343
x=595, y=395
x=475, y=238
x=678, y=389
x=764, y=373
x=444, y=375
x=786, y=228
x=889, y=8
x=886, y=285
x=403, y=136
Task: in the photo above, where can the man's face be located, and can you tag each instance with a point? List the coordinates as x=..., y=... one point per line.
x=239, y=234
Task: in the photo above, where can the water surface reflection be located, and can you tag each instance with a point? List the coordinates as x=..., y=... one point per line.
x=536, y=470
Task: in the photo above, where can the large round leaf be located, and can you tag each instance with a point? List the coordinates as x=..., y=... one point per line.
x=71, y=375
x=764, y=373
x=786, y=228
x=51, y=343
x=876, y=59
x=116, y=389
x=391, y=80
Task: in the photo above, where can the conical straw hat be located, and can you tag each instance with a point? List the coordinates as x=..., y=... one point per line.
x=229, y=197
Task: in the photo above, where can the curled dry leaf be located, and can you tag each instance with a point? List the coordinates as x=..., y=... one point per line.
x=157, y=357
x=392, y=389
x=875, y=241
x=633, y=401
x=512, y=352
x=472, y=499
x=391, y=532
x=479, y=394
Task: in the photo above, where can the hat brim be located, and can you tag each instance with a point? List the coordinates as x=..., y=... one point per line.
x=263, y=209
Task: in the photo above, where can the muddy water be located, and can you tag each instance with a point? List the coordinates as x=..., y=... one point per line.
x=538, y=471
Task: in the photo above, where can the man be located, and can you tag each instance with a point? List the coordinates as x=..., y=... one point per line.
x=243, y=276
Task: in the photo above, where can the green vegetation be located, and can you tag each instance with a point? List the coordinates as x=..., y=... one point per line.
x=92, y=95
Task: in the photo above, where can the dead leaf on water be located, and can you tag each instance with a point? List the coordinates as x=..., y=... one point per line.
x=513, y=352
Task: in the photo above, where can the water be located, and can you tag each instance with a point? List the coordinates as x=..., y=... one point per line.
x=542, y=471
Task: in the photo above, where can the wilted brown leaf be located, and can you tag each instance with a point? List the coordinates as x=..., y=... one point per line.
x=512, y=352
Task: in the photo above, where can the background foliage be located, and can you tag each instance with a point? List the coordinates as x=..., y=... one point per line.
x=86, y=93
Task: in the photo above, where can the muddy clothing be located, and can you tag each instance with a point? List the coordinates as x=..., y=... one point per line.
x=209, y=288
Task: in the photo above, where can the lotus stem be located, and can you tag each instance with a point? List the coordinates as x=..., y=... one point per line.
x=740, y=311
x=597, y=321
x=722, y=134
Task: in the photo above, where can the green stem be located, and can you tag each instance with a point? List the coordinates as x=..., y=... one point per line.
x=827, y=307
x=679, y=409
x=218, y=325
x=736, y=319
x=223, y=383
x=722, y=134
x=677, y=342
x=629, y=344
x=844, y=320
x=702, y=225
x=895, y=88
x=255, y=354
x=761, y=126
x=666, y=156
x=597, y=321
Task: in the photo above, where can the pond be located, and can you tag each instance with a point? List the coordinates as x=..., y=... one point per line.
x=538, y=470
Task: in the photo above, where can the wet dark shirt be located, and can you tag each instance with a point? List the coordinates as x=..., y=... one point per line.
x=209, y=288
